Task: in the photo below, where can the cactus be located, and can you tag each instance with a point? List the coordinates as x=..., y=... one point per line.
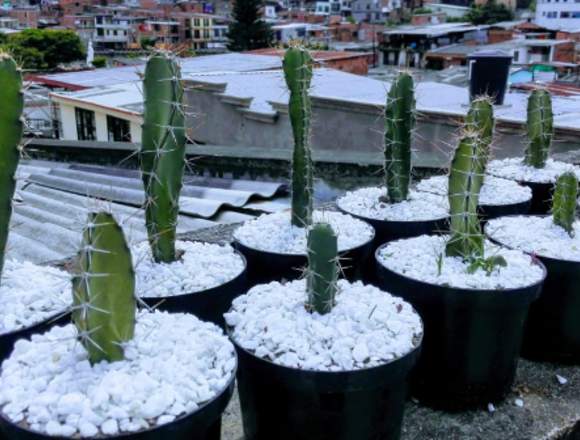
x=162, y=153
x=11, y=106
x=322, y=272
x=399, y=123
x=465, y=182
x=298, y=73
x=564, y=203
x=480, y=119
x=540, y=125
x=104, y=304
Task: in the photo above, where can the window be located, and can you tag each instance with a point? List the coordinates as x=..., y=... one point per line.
x=100, y=32
x=565, y=14
x=85, y=124
x=119, y=129
x=576, y=14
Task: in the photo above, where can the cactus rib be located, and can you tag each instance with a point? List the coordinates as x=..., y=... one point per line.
x=399, y=124
x=564, y=202
x=322, y=272
x=298, y=74
x=540, y=126
x=162, y=153
x=11, y=128
x=104, y=304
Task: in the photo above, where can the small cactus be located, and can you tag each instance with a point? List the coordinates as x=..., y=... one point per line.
x=465, y=182
x=11, y=106
x=162, y=153
x=399, y=124
x=564, y=203
x=298, y=73
x=323, y=268
x=480, y=119
x=540, y=125
x=104, y=303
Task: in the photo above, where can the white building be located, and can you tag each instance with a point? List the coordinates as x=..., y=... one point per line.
x=558, y=14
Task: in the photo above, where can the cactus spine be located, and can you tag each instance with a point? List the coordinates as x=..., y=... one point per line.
x=11, y=106
x=162, y=153
x=298, y=73
x=540, y=127
x=480, y=118
x=564, y=203
x=103, y=290
x=322, y=273
x=399, y=124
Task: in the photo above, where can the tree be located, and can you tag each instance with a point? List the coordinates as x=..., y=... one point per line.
x=248, y=31
x=44, y=48
x=489, y=13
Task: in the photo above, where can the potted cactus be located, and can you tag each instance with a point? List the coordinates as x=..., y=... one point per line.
x=395, y=210
x=535, y=169
x=31, y=297
x=275, y=244
x=552, y=331
x=180, y=276
x=134, y=375
x=322, y=358
x=472, y=295
x=498, y=196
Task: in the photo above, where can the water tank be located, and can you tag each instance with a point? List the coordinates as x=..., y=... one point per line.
x=488, y=74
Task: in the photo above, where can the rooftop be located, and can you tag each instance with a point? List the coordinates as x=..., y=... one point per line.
x=434, y=30
x=466, y=49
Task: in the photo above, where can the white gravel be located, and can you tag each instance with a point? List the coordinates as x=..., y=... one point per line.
x=417, y=258
x=420, y=206
x=174, y=364
x=515, y=169
x=30, y=294
x=275, y=233
x=367, y=327
x=494, y=192
x=202, y=266
x=536, y=234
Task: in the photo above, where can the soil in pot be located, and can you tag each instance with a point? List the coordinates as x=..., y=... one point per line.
x=174, y=383
x=337, y=376
x=203, y=281
x=498, y=197
x=540, y=180
x=473, y=321
x=32, y=298
x=275, y=250
x=552, y=330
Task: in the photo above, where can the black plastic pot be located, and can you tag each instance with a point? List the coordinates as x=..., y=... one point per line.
x=472, y=339
x=541, y=197
x=552, y=330
x=203, y=424
x=208, y=305
x=7, y=340
x=281, y=403
x=264, y=266
x=489, y=212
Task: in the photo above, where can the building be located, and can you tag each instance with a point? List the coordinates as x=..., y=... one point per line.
x=163, y=32
x=27, y=16
x=84, y=26
x=202, y=32
x=558, y=14
x=113, y=31
x=375, y=11
x=307, y=32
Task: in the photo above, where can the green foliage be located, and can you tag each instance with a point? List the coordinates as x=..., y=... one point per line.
x=99, y=62
x=104, y=305
x=487, y=264
x=11, y=106
x=489, y=13
x=350, y=19
x=480, y=119
x=298, y=74
x=248, y=30
x=41, y=49
x=540, y=126
x=323, y=269
x=162, y=152
x=564, y=203
x=147, y=43
x=418, y=11
x=399, y=124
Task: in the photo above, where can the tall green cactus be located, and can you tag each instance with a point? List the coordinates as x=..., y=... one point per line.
x=564, y=203
x=399, y=124
x=104, y=303
x=480, y=119
x=162, y=152
x=540, y=125
x=465, y=182
x=298, y=73
x=322, y=272
x=11, y=106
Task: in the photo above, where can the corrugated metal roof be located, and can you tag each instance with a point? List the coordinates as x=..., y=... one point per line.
x=53, y=199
